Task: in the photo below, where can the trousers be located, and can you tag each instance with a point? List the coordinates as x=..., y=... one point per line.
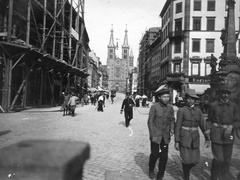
x=222, y=154
x=128, y=116
x=158, y=151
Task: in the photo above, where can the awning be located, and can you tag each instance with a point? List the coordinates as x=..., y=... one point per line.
x=161, y=87
x=199, y=88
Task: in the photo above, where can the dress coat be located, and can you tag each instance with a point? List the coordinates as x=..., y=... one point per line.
x=189, y=139
x=161, y=122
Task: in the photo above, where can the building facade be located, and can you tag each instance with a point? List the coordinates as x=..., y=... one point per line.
x=145, y=61
x=119, y=68
x=191, y=31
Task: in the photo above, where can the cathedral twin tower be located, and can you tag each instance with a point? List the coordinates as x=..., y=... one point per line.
x=119, y=68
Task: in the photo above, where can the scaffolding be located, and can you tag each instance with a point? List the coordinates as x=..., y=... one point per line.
x=43, y=51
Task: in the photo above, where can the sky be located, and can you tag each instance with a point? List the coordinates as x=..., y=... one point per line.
x=136, y=15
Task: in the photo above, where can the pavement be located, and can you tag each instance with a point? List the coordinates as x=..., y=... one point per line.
x=113, y=146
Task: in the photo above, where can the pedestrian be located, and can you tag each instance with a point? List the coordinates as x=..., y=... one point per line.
x=127, y=106
x=62, y=101
x=65, y=103
x=100, y=103
x=72, y=103
x=144, y=100
x=137, y=100
x=187, y=139
x=161, y=128
x=223, y=120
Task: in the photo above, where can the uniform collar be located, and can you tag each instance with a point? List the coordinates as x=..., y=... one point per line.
x=221, y=102
x=162, y=104
x=191, y=107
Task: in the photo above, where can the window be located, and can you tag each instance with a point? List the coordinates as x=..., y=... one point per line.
x=125, y=57
x=210, y=23
x=210, y=46
x=197, y=5
x=197, y=23
x=179, y=7
x=110, y=56
x=195, y=69
x=196, y=45
x=178, y=25
x=207, y=69
x=125, y=51
x=211, y=5
x=177, y=68
x=177, y=47
x=111, y=51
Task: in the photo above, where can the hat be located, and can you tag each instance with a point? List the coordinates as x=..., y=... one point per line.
x=224, y=89
x=192, y=93
x=162, y=91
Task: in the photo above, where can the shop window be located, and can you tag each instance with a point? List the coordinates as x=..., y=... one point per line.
x=207, y=69
x=177, y=67
x=195, y=69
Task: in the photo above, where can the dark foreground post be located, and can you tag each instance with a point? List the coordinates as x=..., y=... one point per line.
x=44, y=160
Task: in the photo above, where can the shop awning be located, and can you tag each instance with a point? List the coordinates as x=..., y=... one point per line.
x=161, y=87
x=199, y=88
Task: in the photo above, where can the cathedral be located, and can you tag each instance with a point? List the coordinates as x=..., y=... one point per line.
x=119, y=68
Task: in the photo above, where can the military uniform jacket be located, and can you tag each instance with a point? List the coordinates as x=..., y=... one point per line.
x=127, y=104
x=222, y=114
x=191, y=117
x=160, y=122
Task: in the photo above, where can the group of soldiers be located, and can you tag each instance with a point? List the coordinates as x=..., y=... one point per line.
x=219, y=131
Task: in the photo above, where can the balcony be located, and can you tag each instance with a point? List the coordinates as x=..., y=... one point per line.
x=173, y=35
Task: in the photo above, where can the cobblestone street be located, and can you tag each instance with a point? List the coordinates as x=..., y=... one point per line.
x=113, y=146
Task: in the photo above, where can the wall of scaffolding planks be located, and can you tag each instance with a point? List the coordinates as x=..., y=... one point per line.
x=43, y=52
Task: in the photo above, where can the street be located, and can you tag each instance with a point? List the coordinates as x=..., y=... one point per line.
x=113, y=146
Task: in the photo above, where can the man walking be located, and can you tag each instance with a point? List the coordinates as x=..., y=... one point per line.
x=187, y=138
x=72, y=103
x=127, y=106
x=223, y=119
x=161, y=128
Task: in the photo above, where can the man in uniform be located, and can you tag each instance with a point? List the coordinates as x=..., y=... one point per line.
x=187, y=138
x=127, y=106
x=161, y=128
x=223, y=119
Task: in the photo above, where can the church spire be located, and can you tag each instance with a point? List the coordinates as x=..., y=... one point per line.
x=131, y=53
x=111, y=42
x=125, y=43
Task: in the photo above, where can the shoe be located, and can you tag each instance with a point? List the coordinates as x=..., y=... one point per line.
x=151, y=174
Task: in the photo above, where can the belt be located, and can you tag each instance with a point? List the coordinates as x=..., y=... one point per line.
x=220, y=125
x=190, y=128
